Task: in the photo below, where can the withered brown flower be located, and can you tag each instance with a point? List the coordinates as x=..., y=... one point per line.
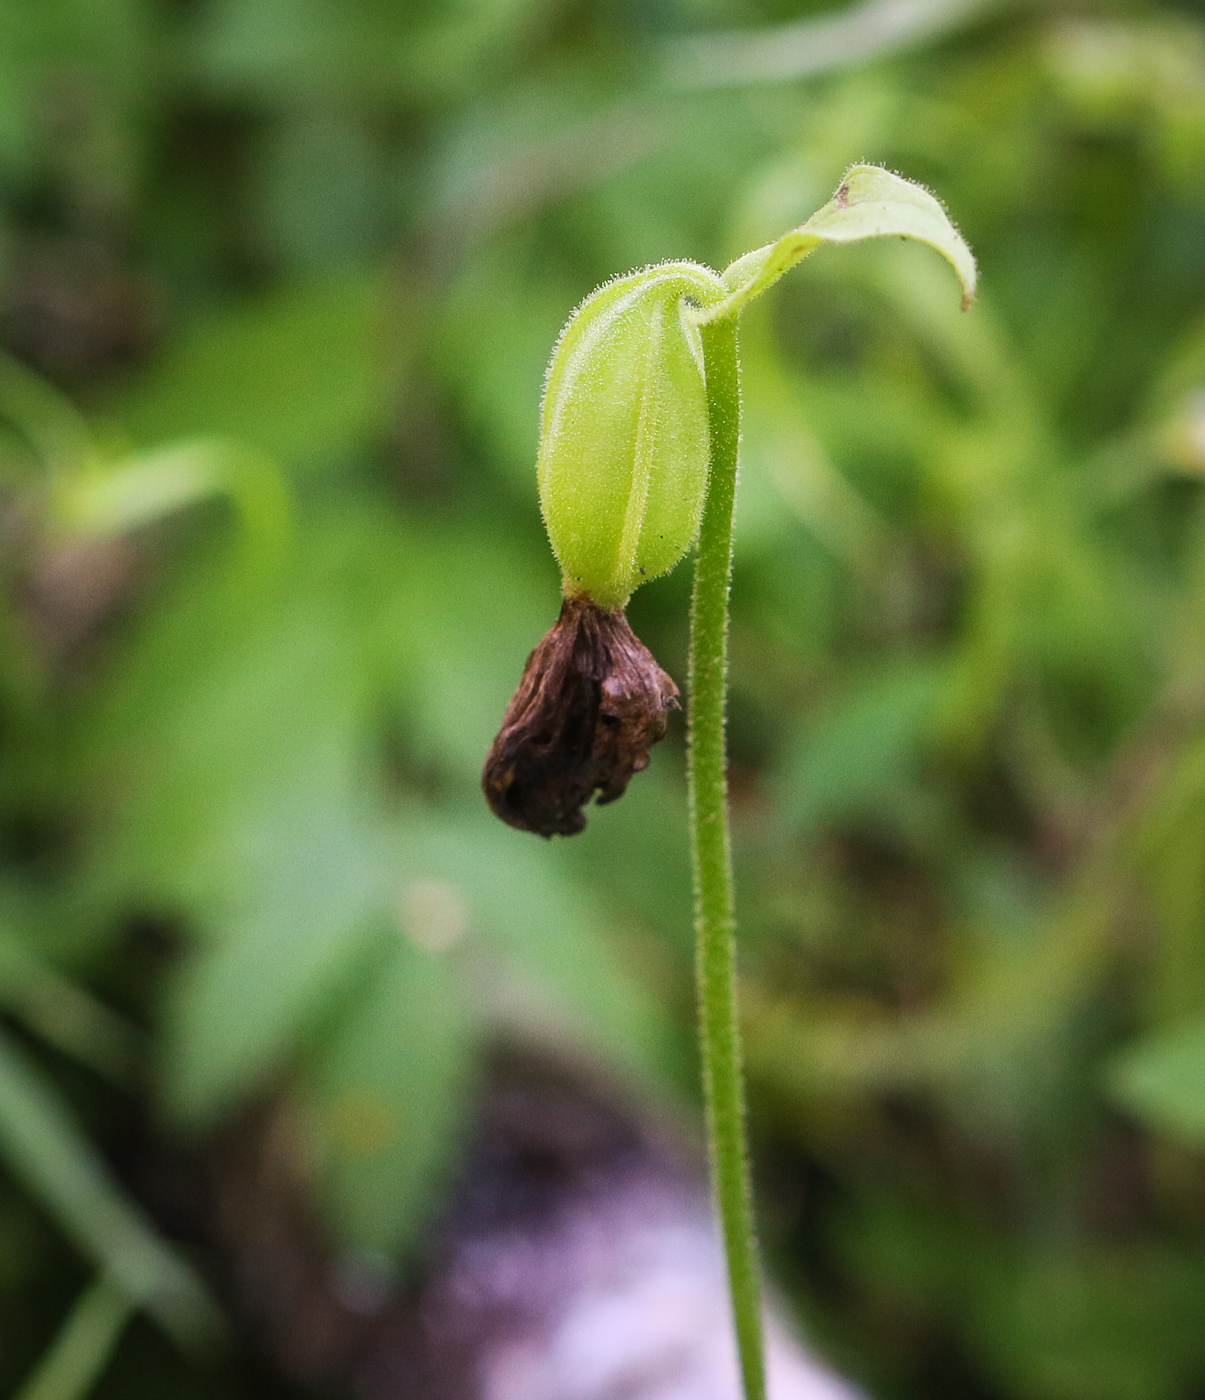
x=590, y=706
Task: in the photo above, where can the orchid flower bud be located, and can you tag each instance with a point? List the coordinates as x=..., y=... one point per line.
x=622, y=465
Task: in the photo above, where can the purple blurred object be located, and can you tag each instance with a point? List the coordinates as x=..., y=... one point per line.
x=576, y=1259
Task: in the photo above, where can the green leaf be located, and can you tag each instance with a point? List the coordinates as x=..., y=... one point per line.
x=387, y=1098
x=870, y=203
x=106, y=498
x=452, y=653
x=845, y=37
x=79, y=1354
x=549, y=966
x=1162, y=1079
x=63, y=1013
x=44, y=1147
x=1103, y=1323
x=297, y=374
x=233, y=744
x=304, y=927
x=862, y=757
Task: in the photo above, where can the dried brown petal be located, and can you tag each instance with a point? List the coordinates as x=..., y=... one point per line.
x=590, y=706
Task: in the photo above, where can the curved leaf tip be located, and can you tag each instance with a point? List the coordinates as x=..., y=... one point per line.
x=869, y=203
x=874, y=203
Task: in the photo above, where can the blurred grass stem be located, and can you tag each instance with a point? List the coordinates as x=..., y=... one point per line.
x=44, y=1147
x=65, y=1015
x=821, y=43
x=711, y=857
x=82, y=1349
x=47, y=420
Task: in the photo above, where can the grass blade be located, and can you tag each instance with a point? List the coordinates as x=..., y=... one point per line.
x=47, y=1150
x=79, y=1354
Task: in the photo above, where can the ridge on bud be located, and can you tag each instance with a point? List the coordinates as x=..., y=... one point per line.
x=623, y=457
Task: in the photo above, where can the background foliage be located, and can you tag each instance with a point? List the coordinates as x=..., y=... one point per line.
x=279, y=282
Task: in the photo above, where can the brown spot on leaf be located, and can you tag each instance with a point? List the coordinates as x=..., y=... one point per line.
x=842, y=197
x=590, y=706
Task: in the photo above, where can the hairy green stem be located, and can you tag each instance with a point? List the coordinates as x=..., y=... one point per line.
x=711, y=855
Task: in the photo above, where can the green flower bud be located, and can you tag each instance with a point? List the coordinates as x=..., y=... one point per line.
x=623, y=457
x=623, y=467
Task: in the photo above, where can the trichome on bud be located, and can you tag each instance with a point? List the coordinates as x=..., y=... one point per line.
x=591, y=704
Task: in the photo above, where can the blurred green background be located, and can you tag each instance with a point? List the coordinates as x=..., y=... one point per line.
x=279, y=280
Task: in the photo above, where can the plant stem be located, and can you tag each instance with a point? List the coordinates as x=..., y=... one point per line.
x=711, y=855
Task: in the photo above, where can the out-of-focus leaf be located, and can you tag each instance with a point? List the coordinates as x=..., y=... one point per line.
x=1147, y=70
x=228, y=702
x=80, y=1352
x=63, y=1013
x=459, y=46
x=232, y=747
x=865, y=751
x=319, y=190
x=114, y=497
x=44, y=1147
x=1094, y=1324
x=48, y=420
x=1162, y=1078
x=544, y=963
x=388, y=1093
x=454, y=630
x=281, y=50
x=298, y=374
x=854, y=35
x=638, y=856
x=494, y=334
x=921, y=1255
x=781, y=446
x=108, y=43
x=303, y=924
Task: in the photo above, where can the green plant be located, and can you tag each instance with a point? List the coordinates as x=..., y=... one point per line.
x=966, y=709
x=638, y=457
